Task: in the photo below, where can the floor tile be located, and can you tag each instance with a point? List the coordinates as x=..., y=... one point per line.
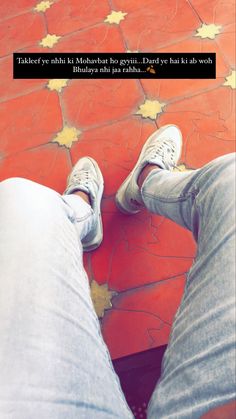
x=13, y=8
x=143, y=267
x=29, y=121
x=131, y=6
x=144, y=315
x=48, y=165
x=119, y=325
x=207, y=123
x=160, y=24
x=160, y=299
x=9, y=87
x=93, y=102
x=139, y=250
x=68, y=16
x=173, y=89
x=101, y=38
x=219, y=12
x=227, y=46
x=13, y=38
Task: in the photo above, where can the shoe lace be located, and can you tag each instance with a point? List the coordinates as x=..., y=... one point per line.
x=81, y=178
x=164, y=150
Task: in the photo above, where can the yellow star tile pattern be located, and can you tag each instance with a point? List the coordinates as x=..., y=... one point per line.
x=43, y=6
x=231, y=80
x=101, y=297
x=57, y=84
x=208, y=31
x=150, y=108
x=67, y=136
x=115, y=17
x=49, y=40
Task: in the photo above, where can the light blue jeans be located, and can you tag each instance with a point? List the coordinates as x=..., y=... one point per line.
x=53, y=361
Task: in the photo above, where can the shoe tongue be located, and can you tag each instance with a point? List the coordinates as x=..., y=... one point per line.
x=157, y=161
x=90, y=189
x=78, y=188
x=83, y=188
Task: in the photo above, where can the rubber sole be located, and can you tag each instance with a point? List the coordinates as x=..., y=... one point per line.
x=120, y=196
x=95, y=242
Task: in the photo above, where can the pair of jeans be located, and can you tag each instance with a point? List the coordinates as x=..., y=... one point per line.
x=54, y=363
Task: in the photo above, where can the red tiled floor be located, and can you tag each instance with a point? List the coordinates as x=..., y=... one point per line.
x=93, y=102
x=142, y=267
x=131, y=6
x=146, y=316
x=48, y=165
x=100, y=38
x=197, y=44
x=29, y=121
x=219, y=12
x=140, y=250
x=159, y=24
x=227, y=47
x=160, y=296
x=9, y=87
x=172, y=90
x=208, y=125
x=142, y=258
x=124, y=325
x=12, y=37
x=68, y=16
x=12, y=8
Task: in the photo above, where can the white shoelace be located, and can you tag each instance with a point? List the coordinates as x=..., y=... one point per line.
x=81, y=178
x=165, y=151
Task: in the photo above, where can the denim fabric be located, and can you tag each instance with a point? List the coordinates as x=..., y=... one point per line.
x=198, y=371
x=53, y=361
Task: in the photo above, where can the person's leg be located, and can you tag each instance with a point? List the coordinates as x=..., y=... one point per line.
x=53, y=361
x=199, y=364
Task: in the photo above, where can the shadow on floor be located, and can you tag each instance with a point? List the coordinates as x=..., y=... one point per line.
x=138, y=375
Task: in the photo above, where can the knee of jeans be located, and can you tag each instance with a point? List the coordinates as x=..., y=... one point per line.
x=16, y=189
x=223, y=172
x=220, y=184
x=13, y=184
x=23, y=199
x=224, y=163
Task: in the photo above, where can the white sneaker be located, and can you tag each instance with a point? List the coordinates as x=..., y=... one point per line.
x=87, y=177
x=162, y=148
